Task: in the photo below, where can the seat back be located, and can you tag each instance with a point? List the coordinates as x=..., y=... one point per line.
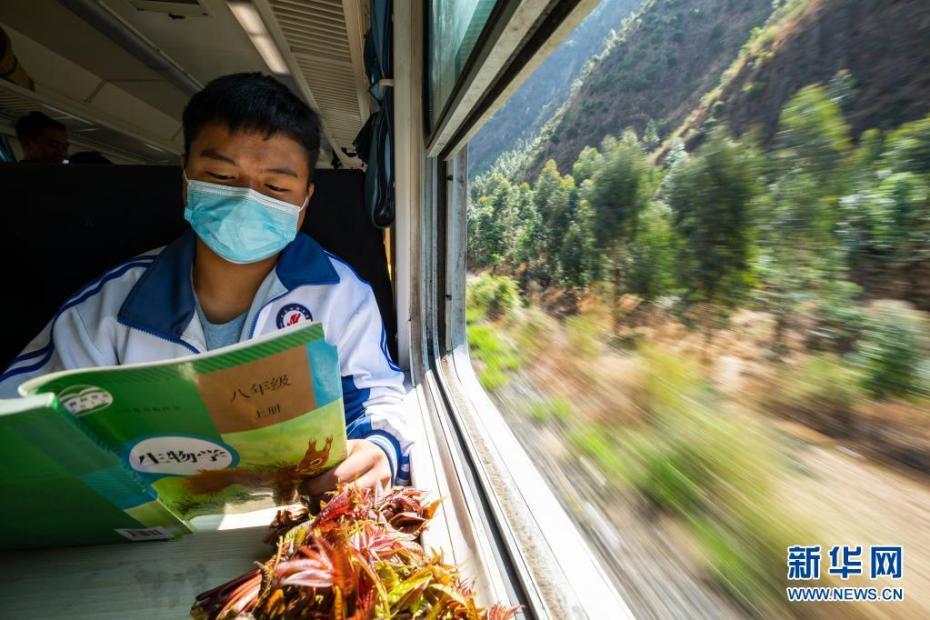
x=63, y=225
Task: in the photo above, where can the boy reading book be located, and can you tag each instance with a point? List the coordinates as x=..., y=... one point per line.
x=243, y=270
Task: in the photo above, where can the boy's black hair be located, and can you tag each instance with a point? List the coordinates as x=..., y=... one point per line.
x=255, y=102
x=31, y=126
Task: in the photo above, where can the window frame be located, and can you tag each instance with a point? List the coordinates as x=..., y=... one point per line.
x=498, y=15
x=517, y=37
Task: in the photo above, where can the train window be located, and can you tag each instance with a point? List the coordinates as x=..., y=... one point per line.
x=696, y=262
x=537, y=558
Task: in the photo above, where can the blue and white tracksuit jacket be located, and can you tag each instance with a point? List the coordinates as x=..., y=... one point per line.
x=144, y=310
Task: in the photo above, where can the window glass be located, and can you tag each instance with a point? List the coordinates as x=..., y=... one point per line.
x=699, y=291
x=6, y=150
x=455, y=26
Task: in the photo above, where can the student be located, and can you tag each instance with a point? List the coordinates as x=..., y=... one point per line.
x=242, y=271
x=44, y=140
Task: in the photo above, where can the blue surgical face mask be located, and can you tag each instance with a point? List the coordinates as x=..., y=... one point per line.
x=238, y=223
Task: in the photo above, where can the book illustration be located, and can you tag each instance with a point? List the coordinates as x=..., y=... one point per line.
x=314, y=460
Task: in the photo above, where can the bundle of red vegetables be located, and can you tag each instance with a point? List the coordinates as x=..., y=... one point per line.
x=358, y=558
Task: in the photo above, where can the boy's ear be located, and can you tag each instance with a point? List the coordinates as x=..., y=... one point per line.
x=183, y=162
x=303, y=214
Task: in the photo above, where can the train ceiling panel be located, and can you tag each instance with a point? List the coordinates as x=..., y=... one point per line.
x=204, y=46
x=91, y=71
x=59, y=30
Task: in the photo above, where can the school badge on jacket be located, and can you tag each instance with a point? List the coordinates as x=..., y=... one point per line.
x=291, y=314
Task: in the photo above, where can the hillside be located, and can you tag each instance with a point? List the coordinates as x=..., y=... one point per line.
x=548, y=88
x=884, y=46
x=670, y=55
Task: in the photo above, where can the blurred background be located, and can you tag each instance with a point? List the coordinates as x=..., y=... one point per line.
x=699, y=258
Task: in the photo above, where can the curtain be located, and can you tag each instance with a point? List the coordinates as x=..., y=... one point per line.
x=375, y=143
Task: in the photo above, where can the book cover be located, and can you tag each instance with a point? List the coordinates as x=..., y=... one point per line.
x=230, y=430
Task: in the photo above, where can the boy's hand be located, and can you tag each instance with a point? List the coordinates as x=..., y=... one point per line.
x=366, y=465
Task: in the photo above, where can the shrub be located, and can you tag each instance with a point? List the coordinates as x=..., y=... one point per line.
x=909, y=148
x=715, y=468
x=838, y=318
x=535, y=330
x=820, y=392
x=891, y=349
x=651, y=272
x=591, y=441
x=494, y=296
x=582, y=336
x=483, y=342
x=494, y=354
x=492, y=378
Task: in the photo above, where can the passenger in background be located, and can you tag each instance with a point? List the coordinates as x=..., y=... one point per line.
x=44, y=140
x=89, y=157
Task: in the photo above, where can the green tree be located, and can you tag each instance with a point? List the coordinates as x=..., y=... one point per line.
x=491, y=221
x=802, y=256
x=854, y=226
x=864, y=158
x=885, y=213
x=484, y=185
x=588, y=162
x=553, y=199
x=652, y=254
x=889, y=354
x=843, y=90
x=651, y=138
x=710, y=195
x=525, y=243
x=812, y=136
x=619, y=190
x=473, y=249
x=487, y=239
x=891, y=221
x=908, y=148
x=900, y=213
x=579, y=260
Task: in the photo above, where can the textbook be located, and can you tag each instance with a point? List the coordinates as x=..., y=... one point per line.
x=134, y=452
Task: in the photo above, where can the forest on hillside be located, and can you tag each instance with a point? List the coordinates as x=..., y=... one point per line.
x=816, y=227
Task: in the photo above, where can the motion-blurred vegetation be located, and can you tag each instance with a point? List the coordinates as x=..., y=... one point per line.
x=680, y=321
